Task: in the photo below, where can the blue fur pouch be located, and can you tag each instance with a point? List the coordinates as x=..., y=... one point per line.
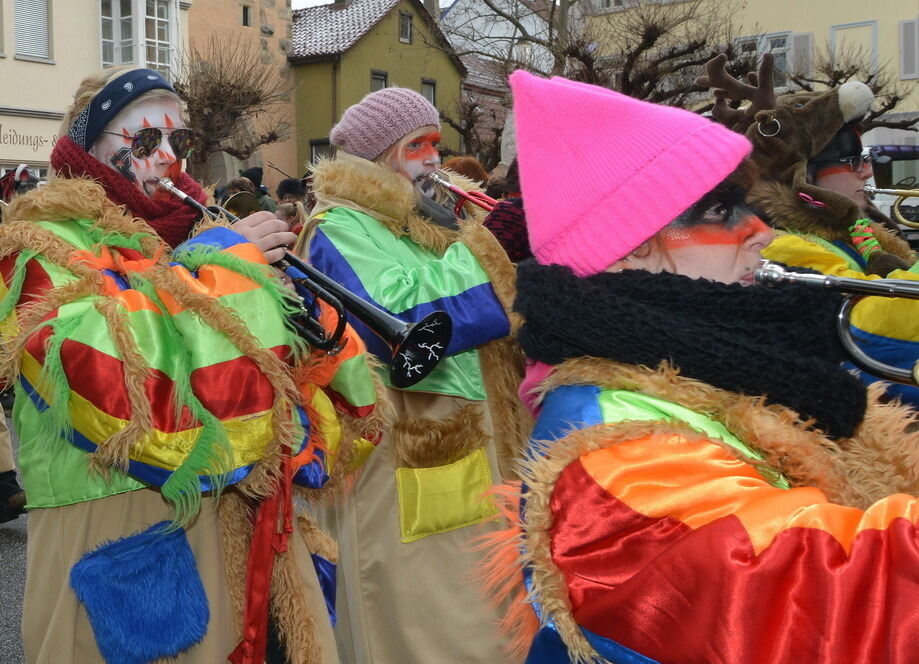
x=143, y=595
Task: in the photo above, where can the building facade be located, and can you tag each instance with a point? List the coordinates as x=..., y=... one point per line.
x=795, y=32
x=48, y=46
x=347, y=49
x=263, y=28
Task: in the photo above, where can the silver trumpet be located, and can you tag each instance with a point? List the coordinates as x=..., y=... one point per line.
x=771, y=274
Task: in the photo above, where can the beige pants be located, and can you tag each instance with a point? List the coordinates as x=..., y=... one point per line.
x=56, y=628
x=6, y=447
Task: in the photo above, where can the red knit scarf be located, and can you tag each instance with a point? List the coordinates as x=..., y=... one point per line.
x=170, y=218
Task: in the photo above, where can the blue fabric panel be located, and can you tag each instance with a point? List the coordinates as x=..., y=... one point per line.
x=900, y=353
x=614, y=652
x=218, y=236
x=478, y=316
x=851, y=252
x=325, y=571
x=566, y=409
x=120, y=281
x=143, y=596
x=547, y=648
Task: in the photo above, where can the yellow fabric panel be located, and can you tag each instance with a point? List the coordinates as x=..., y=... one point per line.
x=885, y=316
x=435, y=500
x=248, y=435
x=699, y=482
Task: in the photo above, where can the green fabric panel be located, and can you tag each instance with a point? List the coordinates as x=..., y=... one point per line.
x=55, y=473
x=620, y=405
x=398, y=273
x=353, y=381
x=458, y=375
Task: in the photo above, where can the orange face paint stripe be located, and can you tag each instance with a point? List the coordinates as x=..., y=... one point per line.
x=713, y=234
x=699, y=482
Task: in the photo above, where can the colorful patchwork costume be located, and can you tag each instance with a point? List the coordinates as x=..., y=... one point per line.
x=155, y=393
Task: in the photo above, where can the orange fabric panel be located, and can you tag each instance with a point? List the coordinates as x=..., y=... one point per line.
x=699, y=482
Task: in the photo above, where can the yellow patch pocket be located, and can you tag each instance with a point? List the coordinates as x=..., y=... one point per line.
x=442, y=498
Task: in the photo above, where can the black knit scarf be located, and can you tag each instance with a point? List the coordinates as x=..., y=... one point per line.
x=779, y=343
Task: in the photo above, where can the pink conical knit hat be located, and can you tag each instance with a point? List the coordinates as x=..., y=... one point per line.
x=602, y=172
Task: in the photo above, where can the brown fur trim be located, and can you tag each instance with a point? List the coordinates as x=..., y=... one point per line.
x=235, y=534
x=502, y=273
x=317, y=541
x=892, y=244
x=289, y=607
x=883, y=457
x=782, y=205
x=365, y=183
x=420, y=442
x=502, y=364
x=116, y=450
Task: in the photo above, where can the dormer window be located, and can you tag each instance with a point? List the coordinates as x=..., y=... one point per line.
x=405, y=27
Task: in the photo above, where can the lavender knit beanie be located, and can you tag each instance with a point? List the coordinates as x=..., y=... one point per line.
x=380, y=119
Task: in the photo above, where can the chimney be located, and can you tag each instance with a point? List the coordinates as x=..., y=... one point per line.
x=433, y=7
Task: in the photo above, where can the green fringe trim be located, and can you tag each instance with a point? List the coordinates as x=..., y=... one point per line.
x=112, y=238
x=8, y=304
x=211, y=453
x=200, y=255
x=56, y=422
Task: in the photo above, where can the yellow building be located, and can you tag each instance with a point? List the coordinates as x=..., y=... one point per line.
x=262, y=26
x=886, y=31
x=346, y=49
x=48, y=46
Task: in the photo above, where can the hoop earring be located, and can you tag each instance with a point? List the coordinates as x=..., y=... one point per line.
x=778, y=128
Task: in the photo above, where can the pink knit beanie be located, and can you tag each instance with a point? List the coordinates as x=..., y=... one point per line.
x=380, y=119
x=602, y=172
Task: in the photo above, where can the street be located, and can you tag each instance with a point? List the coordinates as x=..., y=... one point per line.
x=12, y=584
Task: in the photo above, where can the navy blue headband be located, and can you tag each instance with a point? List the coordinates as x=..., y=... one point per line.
x=111, y=100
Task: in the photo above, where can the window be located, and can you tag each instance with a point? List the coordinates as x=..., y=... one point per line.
x=378, y=80
x=405, y=28
x=320, y=148
x=909, y=48
x=778, y=46
x=247, y=15
x=33, y=30
x=157, y=36
x=127, y=23
x=429, y=90
x=791, y=53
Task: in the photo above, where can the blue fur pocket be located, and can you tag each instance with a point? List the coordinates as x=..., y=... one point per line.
x=143, y=595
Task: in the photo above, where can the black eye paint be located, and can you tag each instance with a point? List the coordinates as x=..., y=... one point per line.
x=121, y=162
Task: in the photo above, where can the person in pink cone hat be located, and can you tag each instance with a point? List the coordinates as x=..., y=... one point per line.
x=704, y=483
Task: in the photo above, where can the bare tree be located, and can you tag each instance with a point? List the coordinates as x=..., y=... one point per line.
x=854, y=62
x=477, y=123
x=230, y=90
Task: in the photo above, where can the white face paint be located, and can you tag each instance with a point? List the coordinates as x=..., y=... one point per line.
x=113, y=146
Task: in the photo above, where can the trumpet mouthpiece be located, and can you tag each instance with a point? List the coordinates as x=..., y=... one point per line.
x=437, y=178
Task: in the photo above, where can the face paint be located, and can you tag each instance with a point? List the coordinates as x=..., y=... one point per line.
x=841, y=179
x=420, y=158
x=113, y=146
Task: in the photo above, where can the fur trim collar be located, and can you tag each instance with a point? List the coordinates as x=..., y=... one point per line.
x=880, y=459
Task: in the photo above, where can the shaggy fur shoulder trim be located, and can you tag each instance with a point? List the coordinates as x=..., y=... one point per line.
x=787, y=210
x=368, y=185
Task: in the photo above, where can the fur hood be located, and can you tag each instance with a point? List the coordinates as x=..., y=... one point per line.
x=882, y=457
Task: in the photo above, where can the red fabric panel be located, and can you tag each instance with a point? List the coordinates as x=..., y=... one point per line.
x=702, y=596
x=228, y=389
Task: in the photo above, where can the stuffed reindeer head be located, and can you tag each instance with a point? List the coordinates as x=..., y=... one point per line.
x=788, y=132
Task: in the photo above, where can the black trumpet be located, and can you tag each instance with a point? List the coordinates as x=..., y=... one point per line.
x=416, y=347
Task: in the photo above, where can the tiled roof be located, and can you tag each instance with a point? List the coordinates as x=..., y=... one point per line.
x=331, y=29
x=484, y=74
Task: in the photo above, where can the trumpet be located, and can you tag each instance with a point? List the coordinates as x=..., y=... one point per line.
x=479, y=198
x=902, y=195
x=417, y=348
x=771, y=274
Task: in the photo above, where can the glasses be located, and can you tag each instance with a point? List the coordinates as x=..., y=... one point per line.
x=856, y=162
x=148, y=139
